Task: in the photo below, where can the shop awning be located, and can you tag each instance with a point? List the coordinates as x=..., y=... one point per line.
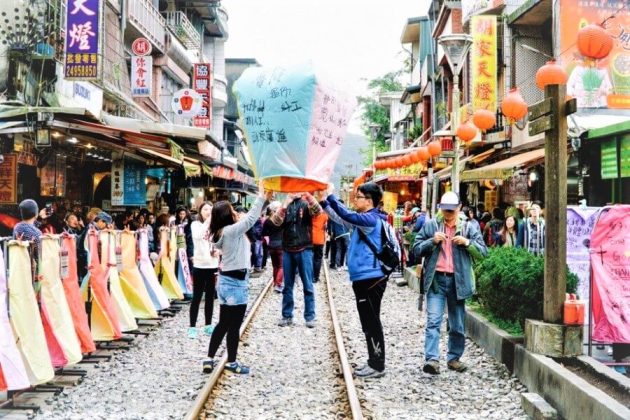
x=192, y=167
x=504, y=169
x=445, y=173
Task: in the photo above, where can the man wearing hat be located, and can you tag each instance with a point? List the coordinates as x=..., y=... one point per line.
x=27, y=230
x=448, y=244
x=100, y=222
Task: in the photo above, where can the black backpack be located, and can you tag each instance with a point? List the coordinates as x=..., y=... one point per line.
x=389, y=255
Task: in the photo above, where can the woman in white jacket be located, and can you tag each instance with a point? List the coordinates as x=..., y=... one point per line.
x=205, y=266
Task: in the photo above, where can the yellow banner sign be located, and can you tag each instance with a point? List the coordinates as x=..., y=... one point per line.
x=484, y=62
x=390, y=202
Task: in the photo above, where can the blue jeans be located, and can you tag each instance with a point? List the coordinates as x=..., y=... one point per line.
x=292, y=263
x=435, y=310
x=232, y=291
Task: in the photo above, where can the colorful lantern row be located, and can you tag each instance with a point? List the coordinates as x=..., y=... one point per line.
x=422, y=154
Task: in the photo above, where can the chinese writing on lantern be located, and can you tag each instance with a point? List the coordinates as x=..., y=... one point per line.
x=202, y=84
x=484, y=62
x=82, y=41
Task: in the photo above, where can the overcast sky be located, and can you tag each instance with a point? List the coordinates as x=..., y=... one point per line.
x=350, y=40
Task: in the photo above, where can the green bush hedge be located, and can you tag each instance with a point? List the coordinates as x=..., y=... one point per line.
x=510, y=283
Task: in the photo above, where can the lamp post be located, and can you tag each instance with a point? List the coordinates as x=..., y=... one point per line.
x=455, y=48
x=374, y=129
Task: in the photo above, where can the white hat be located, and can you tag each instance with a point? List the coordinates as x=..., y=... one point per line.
x=449, y=201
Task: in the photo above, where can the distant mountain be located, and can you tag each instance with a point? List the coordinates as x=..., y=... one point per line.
x=350, y=158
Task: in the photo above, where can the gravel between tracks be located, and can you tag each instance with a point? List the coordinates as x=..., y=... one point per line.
x=486, y=390
x=158, y=378
x=294, y=370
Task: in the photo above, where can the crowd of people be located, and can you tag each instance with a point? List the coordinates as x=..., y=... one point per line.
x=227, y=244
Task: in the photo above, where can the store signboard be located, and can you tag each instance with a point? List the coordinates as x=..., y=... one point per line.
x=186, y=103
x=604, y=83
x=484, y=62
x=390, y=202
x=128, y=183
x=141, y=75
x=610, y=168
x=202, y=83
x=82, y=39
x=8, y=179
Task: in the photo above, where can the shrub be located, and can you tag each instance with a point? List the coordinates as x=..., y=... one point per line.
x=510, y=283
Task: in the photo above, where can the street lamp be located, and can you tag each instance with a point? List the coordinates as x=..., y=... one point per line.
x=374, y=129
x=455, y=48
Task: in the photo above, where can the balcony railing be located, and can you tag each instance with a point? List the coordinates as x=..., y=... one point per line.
x=183, y=30
x=148, y=21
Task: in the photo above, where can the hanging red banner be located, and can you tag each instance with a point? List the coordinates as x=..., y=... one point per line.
x=202, y=83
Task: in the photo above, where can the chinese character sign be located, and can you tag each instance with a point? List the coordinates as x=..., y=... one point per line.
x=202, y=83
x=580, y=223
x=118, y=179
x=295, y=125
x=484, y=62
x=8, y=180
x=82, y=39
x=603, y=83
x=141, y=75
x=135, y=189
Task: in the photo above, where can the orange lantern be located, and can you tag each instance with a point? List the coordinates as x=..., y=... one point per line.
x=390, y=163
x=594, y=42
x=407, y=160
x=398, y=162
x=550, y=74
x=435, y=148
x=466, y=132
x=378, y=164
x=423, y=154
x=514, y=106
x=484, y=119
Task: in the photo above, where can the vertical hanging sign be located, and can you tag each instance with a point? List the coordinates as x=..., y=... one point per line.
x=118, y=179
x=484, y=62
x=8, y=179
x=141, y=68
x=202, y=84
x=82, y=40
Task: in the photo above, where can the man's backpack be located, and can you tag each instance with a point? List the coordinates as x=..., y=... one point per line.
x=389, y=255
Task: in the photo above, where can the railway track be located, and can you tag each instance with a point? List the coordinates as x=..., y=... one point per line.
x=348, y=406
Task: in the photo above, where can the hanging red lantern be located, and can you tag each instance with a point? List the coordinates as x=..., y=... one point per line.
x=407, y=160
x=514, y=106
x=435, y=148
x=550, y=74
x=484, y=119
x=378, y=164
x=390, y=163
x=398, y=162
x=594, y=42
x=423, y=154
x=466, y=132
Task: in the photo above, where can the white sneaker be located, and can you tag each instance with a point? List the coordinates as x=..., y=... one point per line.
x=368, y=372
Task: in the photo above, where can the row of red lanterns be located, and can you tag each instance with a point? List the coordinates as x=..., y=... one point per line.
x=421, y=154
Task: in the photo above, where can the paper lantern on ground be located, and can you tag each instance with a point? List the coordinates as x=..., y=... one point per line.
x=295, y=124
x=484, y=119
x=407, y=160
x=466, y=132
x=594, y=42
x=435, y=148
x=550, y=74
x=423, y=154
x=514, y=106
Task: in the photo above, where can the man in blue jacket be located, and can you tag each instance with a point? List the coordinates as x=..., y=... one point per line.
x=448, y=244
x=368, y=280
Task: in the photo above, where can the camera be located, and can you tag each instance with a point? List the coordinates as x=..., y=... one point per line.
x=49, y=209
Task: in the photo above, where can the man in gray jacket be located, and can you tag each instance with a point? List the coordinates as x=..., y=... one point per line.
x=448, y=244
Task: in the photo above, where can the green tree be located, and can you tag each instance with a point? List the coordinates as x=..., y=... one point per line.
x=372, y=112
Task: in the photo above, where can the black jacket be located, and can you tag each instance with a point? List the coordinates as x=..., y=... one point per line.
x=297, y=226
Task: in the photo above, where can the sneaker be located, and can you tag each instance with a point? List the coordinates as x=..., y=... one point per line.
x=456, y=365
x=236, y=367
x=285, y=322
x=369, y=372
x=208, y=365
x=278, y=289
x=207, y=330
x=310, y=324
x=192, y=332
x=432, y=367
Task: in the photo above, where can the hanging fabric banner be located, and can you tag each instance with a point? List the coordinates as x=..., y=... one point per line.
x=484, y=62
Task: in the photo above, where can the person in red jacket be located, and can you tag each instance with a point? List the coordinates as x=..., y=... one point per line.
x=319, y=240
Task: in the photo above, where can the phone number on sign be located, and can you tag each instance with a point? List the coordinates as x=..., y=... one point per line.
x=81, y=71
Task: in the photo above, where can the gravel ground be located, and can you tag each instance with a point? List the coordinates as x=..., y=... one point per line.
x=294, y=370
x=486, y=390
x=158, y=378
